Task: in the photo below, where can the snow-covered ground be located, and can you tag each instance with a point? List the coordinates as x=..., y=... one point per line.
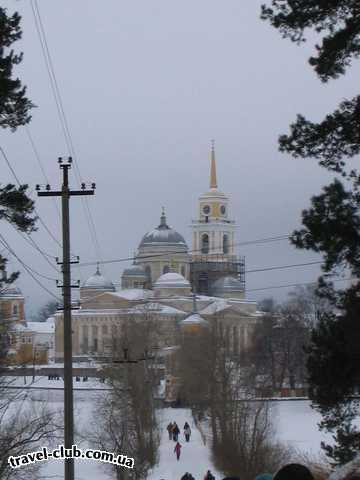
x=295, y=423
x=195, y=456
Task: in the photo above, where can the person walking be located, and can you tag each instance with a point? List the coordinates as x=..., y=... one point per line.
x=187, y=431
x=175, y=432
x=169, y=428
x=209, y=476
x=177, y=450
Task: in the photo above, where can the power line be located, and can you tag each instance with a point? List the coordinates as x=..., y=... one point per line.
x=292, y=285
x=31, y=240
x=62, y=117
x=260, y=241
x=293, y=265
x=27, y=268
x=38, y=158
x=32, y=269
x=34, y=245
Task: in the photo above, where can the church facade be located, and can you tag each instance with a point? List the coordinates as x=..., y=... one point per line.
x=166, y=282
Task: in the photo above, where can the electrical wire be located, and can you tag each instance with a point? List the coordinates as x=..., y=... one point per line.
x=31, y=240
x=293, y=265
x=63, y=119
x=37, y=156
x=260, y=241
x=292, y=285
x=28, y=269
x=32, y=269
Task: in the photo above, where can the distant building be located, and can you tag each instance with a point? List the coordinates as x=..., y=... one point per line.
x=160, y=284
x=26, y=342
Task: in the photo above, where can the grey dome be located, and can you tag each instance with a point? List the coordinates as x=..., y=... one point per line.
x=134, y=271
x=227, y=285
x=171, y=280
x=98, y=282
x=163, y=234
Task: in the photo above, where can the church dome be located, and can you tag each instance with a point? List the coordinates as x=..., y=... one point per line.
x=171, y=280
x=227, y=285
x=163, y=235
x=98, y=282
x=134, y=271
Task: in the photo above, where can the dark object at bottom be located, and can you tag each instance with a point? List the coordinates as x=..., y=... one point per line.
x=294, y=471
x=231, y=478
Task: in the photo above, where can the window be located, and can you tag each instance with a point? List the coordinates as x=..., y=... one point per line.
x=104, y=329
x=15, y=310
x=183, y=270
x=148, y=274
x=225, y=244
x=166, y=269
x=205, y=243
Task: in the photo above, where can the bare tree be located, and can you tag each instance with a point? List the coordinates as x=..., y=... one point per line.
x=278, y=352
x=23, y=428
x=217, y=383
x=129, y=426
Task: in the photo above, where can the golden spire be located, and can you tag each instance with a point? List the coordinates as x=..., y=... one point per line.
x=213, y=182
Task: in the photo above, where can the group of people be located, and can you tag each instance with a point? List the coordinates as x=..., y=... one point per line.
x=188, y=476
x=174, y=432
x=291, y=471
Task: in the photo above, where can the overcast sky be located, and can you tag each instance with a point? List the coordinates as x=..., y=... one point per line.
x=146, y=86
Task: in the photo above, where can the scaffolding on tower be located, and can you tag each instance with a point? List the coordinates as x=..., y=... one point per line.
x=206, y=269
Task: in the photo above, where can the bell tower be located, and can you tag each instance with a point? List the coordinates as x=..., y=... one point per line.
x=213, y=238
x=213, y=233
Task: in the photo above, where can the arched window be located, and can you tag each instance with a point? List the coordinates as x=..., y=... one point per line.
x=166, y=269
x=148, y=275
x=183, y=271
x=203, y=283
x=225, y=244
x=15, y=310
x=205, y=243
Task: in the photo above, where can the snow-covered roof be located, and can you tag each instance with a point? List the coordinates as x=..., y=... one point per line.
x=20, y=327
x=11, y=291
x=171, y=280
x=194, y=319
x=42, y=327
x=217, y=306
x=156, y=307
x=133, y=293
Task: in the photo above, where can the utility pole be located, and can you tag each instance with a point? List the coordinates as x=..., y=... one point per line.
x=65, y=193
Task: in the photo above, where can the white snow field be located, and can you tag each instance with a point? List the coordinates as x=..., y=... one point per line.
x=295, y=423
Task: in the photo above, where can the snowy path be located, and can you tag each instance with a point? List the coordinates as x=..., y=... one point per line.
x=195, y=456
